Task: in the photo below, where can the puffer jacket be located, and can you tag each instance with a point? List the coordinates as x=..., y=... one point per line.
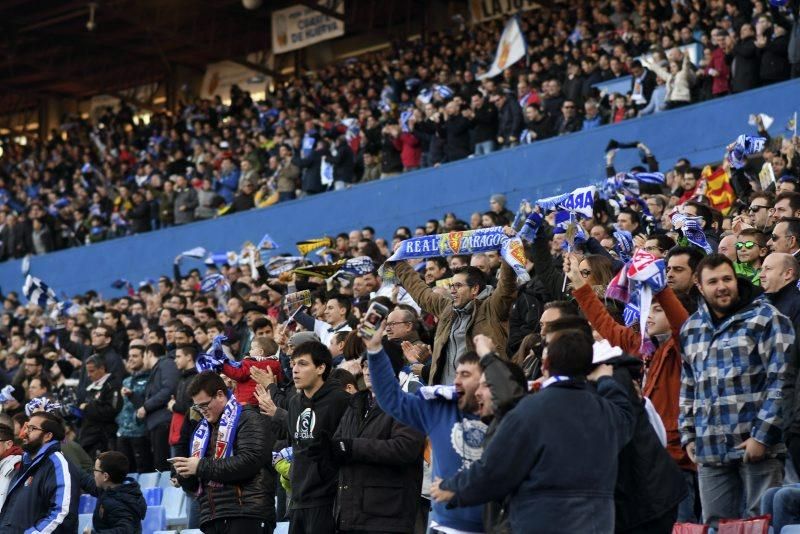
x=738, y=361
x=379, y=483
x=489, y=316
x=43, y=496
x=128, y=425
x=119, y=510
x=662, y=382
x=234, y=486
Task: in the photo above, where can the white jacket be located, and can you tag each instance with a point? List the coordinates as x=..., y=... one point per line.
x=6, y=474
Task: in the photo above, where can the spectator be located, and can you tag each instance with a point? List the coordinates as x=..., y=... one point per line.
x=569, y=121
x=407, y=142
x=642, y=84
x=132, y=437
x=120, y=503
x=717, y=68
x=43, y=495
x=378, y=456
x=484, y=121
x=745, y=65
x=679, y=81
x=509, y=117
x=454, y=131
x=451, y=423
x=102, y=337
x=160, y=388
x=180, y=402
x=344, y=163
x=772, y=42
x=286, y=175
x=185, y=201
x=10, y=460
x=314, y=414
x=785, y=237
x=467, y=313
x=537, y=125
x=542, y=493
x=718, y=446
x=230, y=471
x=100, y=409
x=592, y=117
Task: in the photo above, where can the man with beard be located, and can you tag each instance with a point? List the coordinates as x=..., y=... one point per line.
x=734, y=351
x=43, y=495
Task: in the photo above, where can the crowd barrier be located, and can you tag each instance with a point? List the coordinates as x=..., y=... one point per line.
x=699, y=132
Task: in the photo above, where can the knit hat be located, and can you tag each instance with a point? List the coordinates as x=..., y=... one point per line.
x=499, y=198
x=302, y=337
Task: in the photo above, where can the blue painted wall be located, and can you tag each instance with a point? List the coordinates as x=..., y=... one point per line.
x=699, y=132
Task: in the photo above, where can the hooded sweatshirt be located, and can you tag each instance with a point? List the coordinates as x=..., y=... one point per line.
x=312, y=422
x=119, y=510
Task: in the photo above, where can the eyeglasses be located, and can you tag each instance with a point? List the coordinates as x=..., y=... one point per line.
x=201, y=406
x=586, y=273
x=745, y=244
x=654, y=249
x=458, y=285
x=30, y=427
x=395, y=323
x=755, y=208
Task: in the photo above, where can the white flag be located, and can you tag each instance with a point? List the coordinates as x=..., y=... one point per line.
x=511, y=49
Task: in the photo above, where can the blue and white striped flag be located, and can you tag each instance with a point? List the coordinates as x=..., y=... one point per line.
x=404, y=116
x=425, y=95
x=267, y=243
x=444, y=91
x=38, y=292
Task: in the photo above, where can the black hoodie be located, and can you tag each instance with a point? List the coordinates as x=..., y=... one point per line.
x=120, y=509
x=312, y=422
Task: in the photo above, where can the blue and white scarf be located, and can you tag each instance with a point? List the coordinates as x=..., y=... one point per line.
x=6, y=394
x=623, y=245
x=40, y=404
x=580, y=201
x=692, y=230
x=226, y=432
x=448, y=393
x=745, y=145
x=215, y=358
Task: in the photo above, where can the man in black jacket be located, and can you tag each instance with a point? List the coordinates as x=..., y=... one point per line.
x=484, y=125
x=180, y=403
x=314, y=415
x=100, y=409
x=454, y=130
x=160, y=388
x=43, y=495
x=102, y=337
x=510, y=118
x=380, y=466
x=226, y=462
x=745, y=65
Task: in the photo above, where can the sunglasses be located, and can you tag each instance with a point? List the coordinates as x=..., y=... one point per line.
x=746, y=244
x=755, y=208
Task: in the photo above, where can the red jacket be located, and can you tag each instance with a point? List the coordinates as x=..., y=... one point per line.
x=662, y=384
x=246, y=386
x=721, y=83
x=410, y=151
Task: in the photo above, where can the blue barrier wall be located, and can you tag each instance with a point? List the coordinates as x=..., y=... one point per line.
x=698, y=132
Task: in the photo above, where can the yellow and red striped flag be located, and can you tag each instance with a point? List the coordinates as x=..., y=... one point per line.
x=719, y=191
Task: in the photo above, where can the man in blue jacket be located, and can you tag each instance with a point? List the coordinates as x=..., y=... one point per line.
x=556, y=452
x=43, y=496
x=451, y=422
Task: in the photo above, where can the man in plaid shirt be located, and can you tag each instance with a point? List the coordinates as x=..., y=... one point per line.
x=734, y=363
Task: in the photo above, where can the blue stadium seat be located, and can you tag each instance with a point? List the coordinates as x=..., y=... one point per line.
x=134, y=476
x=164, y=480
x=280, y=528
x=84, y=520
x=155, y=520
x=176, y=509
x=87, y=504
x=153, y=496
x=149, y=480
x=790, y=529
x=165, y=532
x=191, y=531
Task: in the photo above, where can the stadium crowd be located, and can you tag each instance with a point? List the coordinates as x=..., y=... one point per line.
x=416, y=104
x=637, y=373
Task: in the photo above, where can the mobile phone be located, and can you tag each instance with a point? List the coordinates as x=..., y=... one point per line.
x=172, y=460
x=376, y=313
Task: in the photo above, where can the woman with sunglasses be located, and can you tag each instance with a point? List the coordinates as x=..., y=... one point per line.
x=751, y=249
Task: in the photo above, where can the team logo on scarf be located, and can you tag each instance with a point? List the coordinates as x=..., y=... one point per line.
x=454, y=241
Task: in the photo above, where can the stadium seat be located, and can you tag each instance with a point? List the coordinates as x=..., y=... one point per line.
x=87, y=504
x=173, y=502
x=191, y=531
x=281, y=528
x=790, y=529
x=155, y=520
x=166, y=532
x=153, y=496
x=134, y=476
x=84, y=520
x=149, y=480
x=164, y=480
